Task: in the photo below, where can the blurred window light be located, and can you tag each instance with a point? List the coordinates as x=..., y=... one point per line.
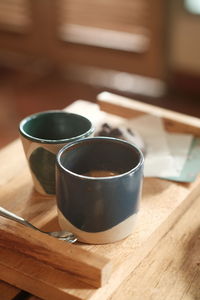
x=115, y=24
x=116, y=80
x=193, y=6
x=113, y=39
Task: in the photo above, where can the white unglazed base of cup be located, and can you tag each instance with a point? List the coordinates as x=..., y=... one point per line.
x=114, y=234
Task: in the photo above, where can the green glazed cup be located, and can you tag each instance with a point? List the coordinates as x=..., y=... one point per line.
x=43, y=134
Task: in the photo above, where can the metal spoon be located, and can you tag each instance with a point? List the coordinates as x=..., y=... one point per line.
x=61, y=235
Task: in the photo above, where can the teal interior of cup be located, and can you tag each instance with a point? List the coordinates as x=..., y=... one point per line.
x=55, y=125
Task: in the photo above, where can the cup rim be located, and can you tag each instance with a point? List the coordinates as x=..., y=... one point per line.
x=53, y=141
x=132, y=170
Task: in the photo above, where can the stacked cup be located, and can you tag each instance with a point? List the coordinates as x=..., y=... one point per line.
x=98, y=180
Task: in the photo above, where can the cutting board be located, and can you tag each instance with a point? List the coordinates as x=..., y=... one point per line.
x=162, y=204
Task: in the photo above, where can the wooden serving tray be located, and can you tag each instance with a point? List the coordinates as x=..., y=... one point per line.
x=52, y=269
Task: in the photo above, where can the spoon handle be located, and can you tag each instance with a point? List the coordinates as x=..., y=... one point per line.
x=11, y=216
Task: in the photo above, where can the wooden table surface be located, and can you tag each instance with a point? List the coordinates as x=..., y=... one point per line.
x=170, y=271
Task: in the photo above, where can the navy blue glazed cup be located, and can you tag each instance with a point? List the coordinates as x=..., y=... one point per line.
x=98, y=188
x=43, y=134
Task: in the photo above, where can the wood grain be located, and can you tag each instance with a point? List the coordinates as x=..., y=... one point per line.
x=91, y=268
x=7, y=291
x=129, y=108
x=163, y=203
x=172, y=269
x=42, y=280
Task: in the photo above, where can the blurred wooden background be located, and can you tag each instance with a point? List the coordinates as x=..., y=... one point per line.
x=54, y=52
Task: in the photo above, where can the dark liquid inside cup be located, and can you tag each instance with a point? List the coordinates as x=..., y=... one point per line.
x=100, y=173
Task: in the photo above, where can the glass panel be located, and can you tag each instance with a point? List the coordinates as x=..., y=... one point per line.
x=193, y=6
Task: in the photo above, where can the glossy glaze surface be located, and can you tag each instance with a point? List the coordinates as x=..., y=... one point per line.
x=97, y=204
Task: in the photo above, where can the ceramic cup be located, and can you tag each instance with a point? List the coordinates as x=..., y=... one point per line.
x=43, y=134
x=98, y=188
